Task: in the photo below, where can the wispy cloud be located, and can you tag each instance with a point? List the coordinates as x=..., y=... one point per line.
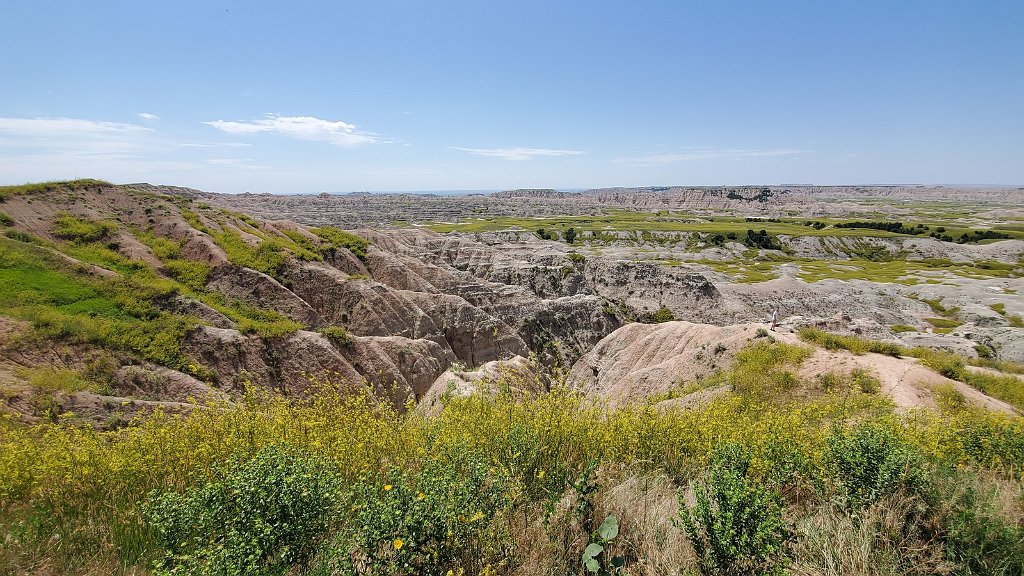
x=519, y=153
x=232, y=162
x=301, y=127
x=703, y=154
x=148, y=116
x=50, y=147
x=75, y=127
x=216, y=145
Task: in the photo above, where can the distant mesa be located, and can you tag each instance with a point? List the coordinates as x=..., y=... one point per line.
x=535, y=193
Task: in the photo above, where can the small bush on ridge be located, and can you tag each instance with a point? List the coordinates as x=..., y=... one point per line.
x=735, y=526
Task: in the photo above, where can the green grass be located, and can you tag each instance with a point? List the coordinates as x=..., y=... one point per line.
x=102, y=495
x=681, y=222
x=262, y=321
x=1008, y=388
x=943, y=325
x=75, y=228
x=901, y=328
x=1015, y=320
x=897, y=271
x=269, y=256
x=119, y=314
x=337, y=238
x=854, y=344
x=64, y=380
x=190, y=273
x=43, y=187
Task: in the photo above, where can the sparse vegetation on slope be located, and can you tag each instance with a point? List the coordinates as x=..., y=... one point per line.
x=42, y=187
x=121, y=314
x=1006, y=387
x=337, y=238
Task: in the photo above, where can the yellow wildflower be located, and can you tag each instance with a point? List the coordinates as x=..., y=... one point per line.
x=388, y=487
x=421, y=496
x=399, y=543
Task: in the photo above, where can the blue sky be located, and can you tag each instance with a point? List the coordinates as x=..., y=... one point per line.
x=236, y=96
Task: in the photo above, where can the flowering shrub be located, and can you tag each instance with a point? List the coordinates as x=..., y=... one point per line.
x=735, y=525
x=870, y=462
x=418, y=522
x=262, y=516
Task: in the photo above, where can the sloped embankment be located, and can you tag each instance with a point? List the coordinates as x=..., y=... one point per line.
x=643, y=361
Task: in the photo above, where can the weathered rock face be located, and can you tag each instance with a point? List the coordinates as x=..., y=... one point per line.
x=517, y=375
x=257, y=288
x=642, y=360
x=559, y=304
x=562, y=330
x=395, y=368
x=473, y=335
x=646, y=287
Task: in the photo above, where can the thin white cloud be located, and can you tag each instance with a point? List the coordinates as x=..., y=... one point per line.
x=74, y=127
x=703, y=154
x=301, y=127
x=517, y=154
x=148, y=116
x=216, y=145
x=232, y=162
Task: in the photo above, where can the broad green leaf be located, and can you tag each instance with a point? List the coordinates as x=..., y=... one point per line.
x=609, y=528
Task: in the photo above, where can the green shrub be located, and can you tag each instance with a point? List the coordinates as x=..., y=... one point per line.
x=190, y=273
x=264, y=516
x=337, y=334
x=735, y=526
x=338, y=238
x=864, y=381
x=163, y=248
x=663, y=314
x=984, y=352
x=1007, y=388
x=418, y=522
x=21, y=236
x=71, y=227
x=762, y=370
x=870, y=461
x=5, y=219
x=854, y=344
x=306, y=248
x=269, y=328
x=268, y=256
x=978, y=540
x=949, y=365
